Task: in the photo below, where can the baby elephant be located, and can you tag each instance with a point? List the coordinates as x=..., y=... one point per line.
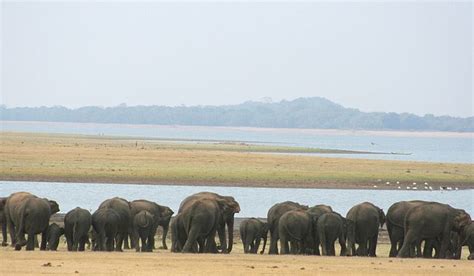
x=332, y=226
x=143, y=229
x=251, y=232
x=53, y=234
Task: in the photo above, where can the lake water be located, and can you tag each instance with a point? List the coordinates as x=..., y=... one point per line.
x=254, y=202
x=422, y=146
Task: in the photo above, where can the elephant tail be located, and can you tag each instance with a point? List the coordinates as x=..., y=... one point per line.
x=75, y=235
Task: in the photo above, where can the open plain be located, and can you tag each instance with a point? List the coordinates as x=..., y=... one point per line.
x=98, y=159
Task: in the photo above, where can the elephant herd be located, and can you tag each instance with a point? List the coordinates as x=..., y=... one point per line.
x=296, y=228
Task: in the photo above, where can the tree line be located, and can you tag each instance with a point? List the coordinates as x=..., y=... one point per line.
x=299, y=113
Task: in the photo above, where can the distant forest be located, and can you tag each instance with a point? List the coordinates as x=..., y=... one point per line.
x=300, y=113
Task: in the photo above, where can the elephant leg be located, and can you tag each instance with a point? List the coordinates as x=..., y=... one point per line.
x=408, y=242
x=11, y=230
x=163, y=238
x=44, y=239
x=222, y=238
x=126, y=244
x=134, y=240
x=373, y=246
x=119, y=241
x=4, y=233
x=69, y=241
x=284, y=249
x=191, y=241
x=322, y=240
x=30, y=243
x=249, y=243
x=82, y=243
x=273, y=240
x=394, y=241
x=342, y=243
x=257, y=244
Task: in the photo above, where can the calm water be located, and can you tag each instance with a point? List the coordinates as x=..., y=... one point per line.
x=254, y=202
x=457, y=148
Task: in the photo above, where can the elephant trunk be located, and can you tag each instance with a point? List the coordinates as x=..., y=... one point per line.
x=264, y=241
x=165, y=232
x=230, y=230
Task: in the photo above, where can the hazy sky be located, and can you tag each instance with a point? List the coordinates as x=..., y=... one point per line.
x=376, y=56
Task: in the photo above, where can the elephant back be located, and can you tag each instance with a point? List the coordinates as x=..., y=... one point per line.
x=276, y=211
x=122, y=208
x=143, y=219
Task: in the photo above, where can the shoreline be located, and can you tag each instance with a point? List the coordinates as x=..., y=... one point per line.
x=322, y=185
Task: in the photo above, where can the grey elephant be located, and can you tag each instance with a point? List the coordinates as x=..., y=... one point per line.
x=297, y=227
x=3, y=222
x=363, y=221
x=162, y=216
x=331, y=226
x=77, y=224
x=316, y=211
x=122, y=208
x=200, y=221
x=53, y=235
x=273, y=217
x=430, y=221
x=144, y=230
x=178, y=234
x=395, y=224
x=467, y=238
x=27, y=214
x=228, y=208
x=106, y=223
x=252, y=231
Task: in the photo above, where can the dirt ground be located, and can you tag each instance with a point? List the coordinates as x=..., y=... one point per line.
x=163, y=262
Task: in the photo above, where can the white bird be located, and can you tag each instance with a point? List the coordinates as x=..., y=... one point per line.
x=456, y=188
x=426, y=188
x=449, y=188
x=387, y=183
x=408, y=187
x=426, y=183
x=399, y=187
x=431, y=188
x=414, y=183
x=398, y=182
x=415, y=188
x=375, y=186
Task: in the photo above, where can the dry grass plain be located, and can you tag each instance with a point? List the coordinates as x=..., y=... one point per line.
x=162, y=262
x=67, y=158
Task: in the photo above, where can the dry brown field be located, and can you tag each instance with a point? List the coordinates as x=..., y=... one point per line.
x=162, y=262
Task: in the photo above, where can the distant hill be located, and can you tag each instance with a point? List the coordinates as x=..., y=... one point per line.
x=300, y=113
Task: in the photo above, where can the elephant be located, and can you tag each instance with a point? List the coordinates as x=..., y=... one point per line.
x=77, y=223
x=144, y=230
x=3, y=222
x=430, y=221
x=229, y=207
x=106, y=223
x=162, y=216
x=273, y=217
x=363, y=221
x=200, y=221
x=316, y=211
x=178, y=235
x=122, y=208
x=25, y=213
x=395, y=224
x=53, y=235
x=298, y=227
x=467, y=238
x=329, y=227
x=252, y=231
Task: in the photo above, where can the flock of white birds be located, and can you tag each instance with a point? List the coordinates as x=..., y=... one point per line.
x=414, y=186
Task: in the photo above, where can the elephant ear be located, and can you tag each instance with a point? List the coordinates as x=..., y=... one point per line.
x=461, y=219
